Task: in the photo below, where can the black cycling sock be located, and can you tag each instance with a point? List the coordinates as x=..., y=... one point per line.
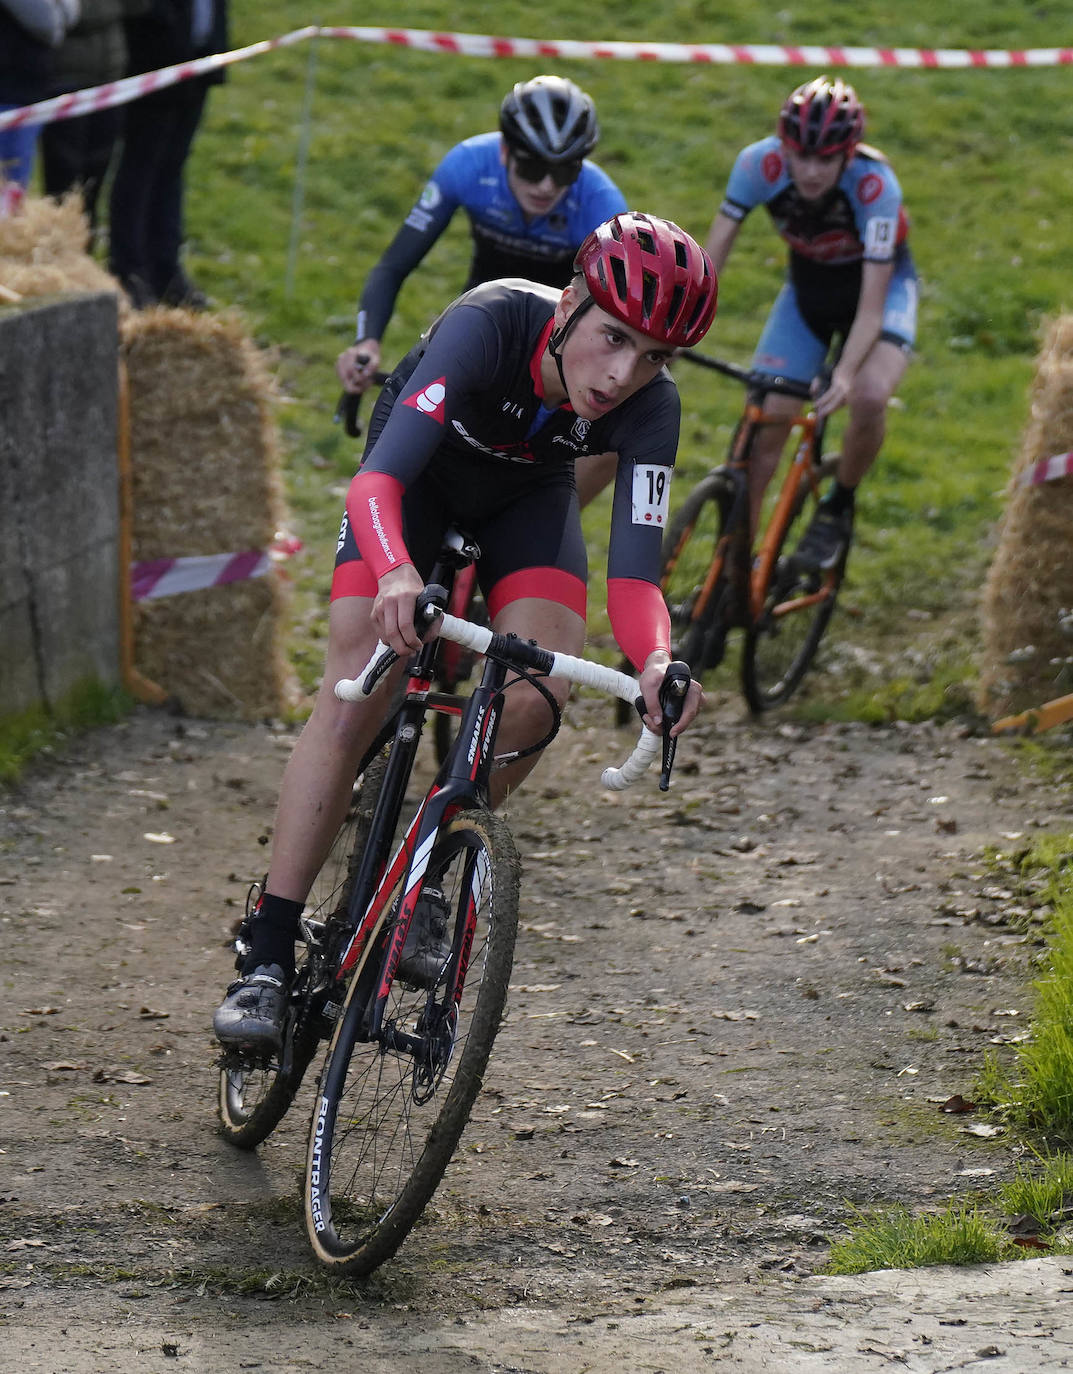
x=839, y=499
x=273, y=931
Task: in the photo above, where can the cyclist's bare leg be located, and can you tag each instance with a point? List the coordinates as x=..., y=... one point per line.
x=526, y=718
x=768, y=444
x=873, y=386
x=319, y=775
x=592, y=473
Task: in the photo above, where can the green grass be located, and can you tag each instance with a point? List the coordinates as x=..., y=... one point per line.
x=983, y=157
x=1042, y=1190
x=33, y=732
x=1035, y=1089
x=896, y=1239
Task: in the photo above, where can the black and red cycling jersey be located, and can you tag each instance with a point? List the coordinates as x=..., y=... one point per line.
x=462, y=420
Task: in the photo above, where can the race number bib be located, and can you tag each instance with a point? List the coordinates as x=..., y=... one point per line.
x=880, y=237
x=651, y=493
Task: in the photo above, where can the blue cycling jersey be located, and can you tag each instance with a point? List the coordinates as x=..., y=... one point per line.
x=505, y=243
x=861, y=219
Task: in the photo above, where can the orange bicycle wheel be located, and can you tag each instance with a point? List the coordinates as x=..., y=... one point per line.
x=694, y=573
x=796, y=606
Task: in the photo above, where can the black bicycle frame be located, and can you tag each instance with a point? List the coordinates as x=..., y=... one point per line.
x=462, y=778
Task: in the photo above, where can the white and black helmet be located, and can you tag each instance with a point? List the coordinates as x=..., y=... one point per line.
x=549, y=118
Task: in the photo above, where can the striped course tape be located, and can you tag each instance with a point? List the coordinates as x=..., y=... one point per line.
x=485, y=45
x=1047, y=470
x=157, y=577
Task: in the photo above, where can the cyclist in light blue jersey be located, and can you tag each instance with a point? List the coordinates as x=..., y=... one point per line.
x=837, y=204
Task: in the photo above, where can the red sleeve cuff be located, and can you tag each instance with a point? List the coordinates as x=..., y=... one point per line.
x=639, y=618
x=374, y=509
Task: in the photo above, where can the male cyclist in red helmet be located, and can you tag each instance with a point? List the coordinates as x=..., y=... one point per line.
x=838, y=205
x=480, y=425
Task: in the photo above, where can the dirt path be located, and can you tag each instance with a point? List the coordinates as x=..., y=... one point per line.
x=735, y=1011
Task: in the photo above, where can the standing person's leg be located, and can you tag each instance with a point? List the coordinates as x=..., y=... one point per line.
x=146, y=131
x=166, y=223
x=63, y=155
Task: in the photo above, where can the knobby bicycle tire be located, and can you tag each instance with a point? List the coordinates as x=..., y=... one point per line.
x=698, y=632
x=385, y=1126
x=255, y=1094
x=782, y=641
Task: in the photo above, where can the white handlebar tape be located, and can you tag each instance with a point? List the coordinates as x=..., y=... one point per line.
x=358, y=688
x=578, y=670
x=647, y=750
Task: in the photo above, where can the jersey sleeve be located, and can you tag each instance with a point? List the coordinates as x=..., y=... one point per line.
x=461, y=354
x=647, y=443
x=753, y=179
x=877, y=207
x=426, y=221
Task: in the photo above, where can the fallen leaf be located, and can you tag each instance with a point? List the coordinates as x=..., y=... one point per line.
x=148, y=1014
x=957, y=1103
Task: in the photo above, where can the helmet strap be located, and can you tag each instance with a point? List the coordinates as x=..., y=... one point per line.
x=560, y=335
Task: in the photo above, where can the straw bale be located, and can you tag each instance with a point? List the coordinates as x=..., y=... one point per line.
x=1027, y=648
x=206, y=480
x=44, y=252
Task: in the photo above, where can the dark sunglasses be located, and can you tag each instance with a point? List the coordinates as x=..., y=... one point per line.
x=536, y=169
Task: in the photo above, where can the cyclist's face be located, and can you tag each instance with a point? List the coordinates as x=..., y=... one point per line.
x=537, y=198
x=812, y=175
x=604, y=361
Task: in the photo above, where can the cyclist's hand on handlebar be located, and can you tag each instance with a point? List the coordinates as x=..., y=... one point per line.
x=393, y=608
x=651, y=681
x=835, y=395
x=357, y=365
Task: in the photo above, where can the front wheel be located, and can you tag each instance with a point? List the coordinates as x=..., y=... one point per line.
x=781, y=642
x=390, y=1112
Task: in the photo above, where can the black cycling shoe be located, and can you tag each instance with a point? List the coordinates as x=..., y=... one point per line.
x=825, y=541
x=428, y=941
x=251, y=1015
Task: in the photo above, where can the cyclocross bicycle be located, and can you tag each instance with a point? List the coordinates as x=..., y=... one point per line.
x=405, y=1059
x=715, y=576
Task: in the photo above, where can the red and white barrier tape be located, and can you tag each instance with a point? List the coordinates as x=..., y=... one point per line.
x=1046, y=470
x=485, y=45
x=158, y=577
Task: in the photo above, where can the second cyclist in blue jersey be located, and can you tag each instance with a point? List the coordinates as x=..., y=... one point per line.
x=837, y=204
x=531, y=196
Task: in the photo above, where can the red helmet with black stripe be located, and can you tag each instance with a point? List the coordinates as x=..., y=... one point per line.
x=822, y=118
x=651, y=275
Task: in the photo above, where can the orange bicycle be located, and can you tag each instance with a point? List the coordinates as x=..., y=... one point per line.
x=716, y=577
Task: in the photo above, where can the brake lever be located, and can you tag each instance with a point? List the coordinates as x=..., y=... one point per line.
x=349, y=403
x=672, y=700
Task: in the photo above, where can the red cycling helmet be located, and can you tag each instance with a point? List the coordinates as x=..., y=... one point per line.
x=651, y=275
x=822, y=118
